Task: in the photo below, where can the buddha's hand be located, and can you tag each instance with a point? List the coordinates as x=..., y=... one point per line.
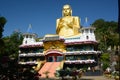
x=70, y=25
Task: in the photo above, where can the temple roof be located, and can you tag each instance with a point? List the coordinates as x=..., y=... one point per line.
x=86, y=23
x=29, y=30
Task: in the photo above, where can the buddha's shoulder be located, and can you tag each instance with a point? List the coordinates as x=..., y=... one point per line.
x=75, y=16
x=68, y=17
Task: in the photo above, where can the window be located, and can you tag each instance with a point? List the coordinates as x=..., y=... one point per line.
x=30, y=36
x=26, y=42
x=82, y=31
x=59, y=58
x=86, y=30
x=26, y=36
x=50, y=59
x=87, y=37
x=91, y=31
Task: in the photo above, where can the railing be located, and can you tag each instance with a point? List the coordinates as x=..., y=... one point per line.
x=83, y=52
x=28, y=62
x=31, y=54
x=62, y=64
x=80, y=61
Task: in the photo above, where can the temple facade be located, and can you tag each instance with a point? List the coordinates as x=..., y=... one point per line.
x=71, y=47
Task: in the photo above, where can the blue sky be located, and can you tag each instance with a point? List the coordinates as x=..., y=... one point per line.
x=42, y=14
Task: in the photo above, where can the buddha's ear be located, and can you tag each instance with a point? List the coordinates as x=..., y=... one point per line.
x=62, y=13
x=71, y=12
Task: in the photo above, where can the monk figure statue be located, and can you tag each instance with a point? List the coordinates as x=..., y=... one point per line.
x=68, y=25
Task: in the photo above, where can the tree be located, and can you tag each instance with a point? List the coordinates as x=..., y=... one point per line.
x=106, y=33
x=12, y=43
x=2, y=23
x=9, y=55
x=105, y=60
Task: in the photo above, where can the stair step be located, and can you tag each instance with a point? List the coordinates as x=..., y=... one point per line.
x=50, y=67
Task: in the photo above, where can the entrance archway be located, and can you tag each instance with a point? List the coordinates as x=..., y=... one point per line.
x=54, y=56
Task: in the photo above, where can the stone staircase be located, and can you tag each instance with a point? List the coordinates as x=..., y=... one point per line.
x=49, y=67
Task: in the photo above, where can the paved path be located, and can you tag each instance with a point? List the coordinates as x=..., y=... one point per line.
x=95, y=78
x=86, y=78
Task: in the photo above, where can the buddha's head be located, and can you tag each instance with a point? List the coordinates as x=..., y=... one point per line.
x=67, y=11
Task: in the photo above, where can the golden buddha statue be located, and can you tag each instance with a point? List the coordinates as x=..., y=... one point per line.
x=68, y=25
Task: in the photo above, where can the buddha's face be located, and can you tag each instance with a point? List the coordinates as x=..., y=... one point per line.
x=67, y=10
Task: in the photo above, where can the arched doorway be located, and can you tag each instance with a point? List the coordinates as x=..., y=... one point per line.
x=54, y=56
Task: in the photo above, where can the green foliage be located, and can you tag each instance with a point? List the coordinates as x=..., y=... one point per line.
x=106, y=33
x=105, y=65
x=105, y=59
x=12, y=43
x=2, y=23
